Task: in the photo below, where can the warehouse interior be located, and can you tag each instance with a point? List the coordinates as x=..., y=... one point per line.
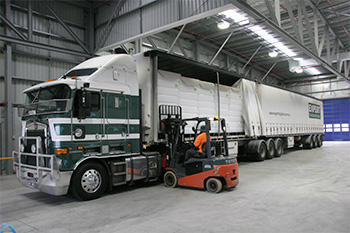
x=296, y=45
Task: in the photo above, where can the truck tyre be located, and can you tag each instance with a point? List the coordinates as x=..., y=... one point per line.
x=309, y=142
x=170, y=179
x=214, y=185
x=89, y=181
x=279, y=147
x=270, y=148
x=314, y=139
x=319, y=140
x=262, y=151
x=257, y=149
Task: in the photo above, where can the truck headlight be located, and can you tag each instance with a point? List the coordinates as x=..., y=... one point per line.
x=33, y=148
x=59, y=163
x=79, y=132
x=21, y=148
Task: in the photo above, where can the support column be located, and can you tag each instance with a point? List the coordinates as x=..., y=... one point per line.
x=9, y=93
x=90, y=36
x=30, y=20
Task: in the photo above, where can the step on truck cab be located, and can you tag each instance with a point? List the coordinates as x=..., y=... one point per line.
x=82, y=131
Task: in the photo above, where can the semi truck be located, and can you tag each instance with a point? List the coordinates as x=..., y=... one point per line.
x=103, y=124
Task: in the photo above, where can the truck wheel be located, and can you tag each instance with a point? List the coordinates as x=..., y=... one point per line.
x=214, y=185
x=319, y=140
x=270, y=148
x=170, y=179
x=89, y=181
x=314, y=139
x=309, y=144
x=261, y=152
x=279, y=147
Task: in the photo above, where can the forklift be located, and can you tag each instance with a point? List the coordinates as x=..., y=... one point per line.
x=212, y=170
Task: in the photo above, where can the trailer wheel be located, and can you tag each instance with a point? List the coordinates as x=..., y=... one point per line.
x=170, y=179
x=279, y=147
x=309, y=144
x=89, y=181
x=214, y=185
x=319, y=140
x=270, y=148
x=261, y=152
x=314, y=139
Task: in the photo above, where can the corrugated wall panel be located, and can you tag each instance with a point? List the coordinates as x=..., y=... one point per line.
x=159, y=14
x=59, y=68
x=19, y=87
x=153, y=16
x=126, y=27
x=106, y=11
x=32, y=68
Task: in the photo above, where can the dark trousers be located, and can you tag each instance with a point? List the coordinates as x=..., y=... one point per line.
x=190, y=153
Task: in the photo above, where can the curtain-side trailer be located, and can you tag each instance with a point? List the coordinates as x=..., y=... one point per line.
x=99, y=124
x=261, y=120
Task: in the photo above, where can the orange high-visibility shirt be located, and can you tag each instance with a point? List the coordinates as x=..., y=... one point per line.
x=200, y=139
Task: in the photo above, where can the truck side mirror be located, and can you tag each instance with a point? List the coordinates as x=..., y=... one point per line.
x=85, y=105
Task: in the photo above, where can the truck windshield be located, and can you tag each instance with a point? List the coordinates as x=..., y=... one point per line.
x=48, y=100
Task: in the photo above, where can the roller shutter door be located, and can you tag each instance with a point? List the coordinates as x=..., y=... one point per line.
x=337, y=119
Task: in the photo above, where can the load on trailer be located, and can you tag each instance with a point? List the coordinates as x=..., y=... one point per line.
x=99, y=125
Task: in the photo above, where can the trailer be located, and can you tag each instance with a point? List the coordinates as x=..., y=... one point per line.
x=261, y=120
x=101, y=124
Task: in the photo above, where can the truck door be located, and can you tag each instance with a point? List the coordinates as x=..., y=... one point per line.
x=117, y=117
x=89, y=125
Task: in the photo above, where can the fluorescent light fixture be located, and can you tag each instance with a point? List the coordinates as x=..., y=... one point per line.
x=273, y=53
x=299, y=70
x=223, y=24
x=236, y=16
x=313, y=71
x=272, y=40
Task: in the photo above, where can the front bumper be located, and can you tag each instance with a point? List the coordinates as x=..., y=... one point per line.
x=43, y=174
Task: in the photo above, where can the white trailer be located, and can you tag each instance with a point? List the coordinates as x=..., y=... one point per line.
x=261, y=119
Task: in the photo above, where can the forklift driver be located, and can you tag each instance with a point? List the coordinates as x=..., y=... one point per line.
x=199, y=143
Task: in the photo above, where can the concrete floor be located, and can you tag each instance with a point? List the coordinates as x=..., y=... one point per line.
x=302, y=191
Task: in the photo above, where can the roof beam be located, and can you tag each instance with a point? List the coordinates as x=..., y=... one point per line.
x=168, y=26
x=219, y=50
x=43, y=46
x=13, y=27
x=324, y=20
x=107, y=30
x=65, y=26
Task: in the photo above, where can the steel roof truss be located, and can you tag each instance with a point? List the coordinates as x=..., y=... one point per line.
x=65, y=26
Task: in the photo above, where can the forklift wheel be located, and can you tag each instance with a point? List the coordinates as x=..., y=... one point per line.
x=170, y=179
x=214, y=185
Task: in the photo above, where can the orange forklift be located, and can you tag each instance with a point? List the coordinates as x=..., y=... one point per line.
x=212, y=170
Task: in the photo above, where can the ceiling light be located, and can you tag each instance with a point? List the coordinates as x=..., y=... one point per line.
x=313, y=71
x=237, y=17
x=223, y=25
x=299, y=70
x=273, y=53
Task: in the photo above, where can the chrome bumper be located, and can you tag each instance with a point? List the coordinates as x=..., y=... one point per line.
x=43, y=174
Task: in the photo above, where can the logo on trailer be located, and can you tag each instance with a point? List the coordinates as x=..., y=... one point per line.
x=314, y=111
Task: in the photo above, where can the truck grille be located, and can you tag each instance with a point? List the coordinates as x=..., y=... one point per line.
x=30, y=142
